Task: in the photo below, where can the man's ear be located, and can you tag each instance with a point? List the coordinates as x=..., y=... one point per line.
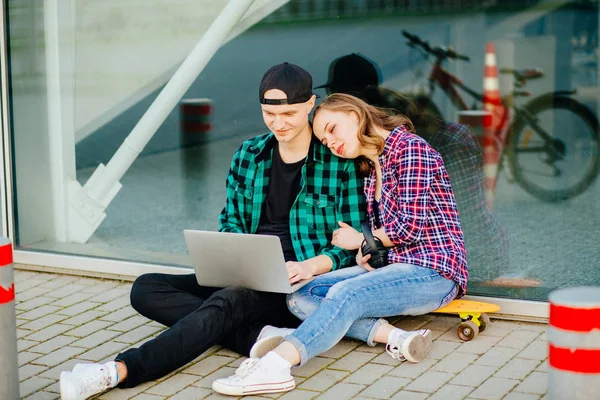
x=310, y=104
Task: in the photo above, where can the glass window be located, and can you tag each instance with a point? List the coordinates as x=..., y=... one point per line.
x=506, y=91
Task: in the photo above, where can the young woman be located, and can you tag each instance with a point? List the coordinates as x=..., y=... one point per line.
x=412, y=211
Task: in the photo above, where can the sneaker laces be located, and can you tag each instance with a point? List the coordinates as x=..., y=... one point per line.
x=246, y=368
x=394, y=352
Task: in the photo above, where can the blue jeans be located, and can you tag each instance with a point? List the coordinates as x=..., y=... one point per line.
x=349, y=302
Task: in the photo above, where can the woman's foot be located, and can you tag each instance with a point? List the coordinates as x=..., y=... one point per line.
x=86, y=380
x=270, y=374
x=268, y=339
x=410, y=346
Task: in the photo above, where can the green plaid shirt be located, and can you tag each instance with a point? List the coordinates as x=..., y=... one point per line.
x=330, y=191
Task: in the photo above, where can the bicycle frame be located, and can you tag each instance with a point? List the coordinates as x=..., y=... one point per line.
x=448, y=83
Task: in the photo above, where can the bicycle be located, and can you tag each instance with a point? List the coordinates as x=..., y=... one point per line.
x=530, y=137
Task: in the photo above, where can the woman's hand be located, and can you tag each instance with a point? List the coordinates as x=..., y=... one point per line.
x=346, y=237
x=298, y=271
x=361, y=261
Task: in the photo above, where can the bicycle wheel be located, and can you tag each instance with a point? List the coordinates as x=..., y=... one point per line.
x=554, y=148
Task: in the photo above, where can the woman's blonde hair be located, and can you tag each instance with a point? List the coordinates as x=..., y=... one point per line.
x=369, y=118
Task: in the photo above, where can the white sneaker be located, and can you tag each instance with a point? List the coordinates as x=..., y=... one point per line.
x=269, y=339
x=87, y=380
x=270, y=374
x=410, y=346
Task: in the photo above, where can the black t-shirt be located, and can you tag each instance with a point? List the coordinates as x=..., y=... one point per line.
x=284, y=186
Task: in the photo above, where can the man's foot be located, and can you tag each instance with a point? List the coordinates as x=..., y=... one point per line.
x=268, y=339
x=409, y=346
x=87, y=380
x=270, y=374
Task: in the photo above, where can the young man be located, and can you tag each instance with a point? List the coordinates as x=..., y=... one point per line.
x=284, y=183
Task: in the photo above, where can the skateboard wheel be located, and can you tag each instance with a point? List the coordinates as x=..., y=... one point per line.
x=484, y=322
x=468, y=330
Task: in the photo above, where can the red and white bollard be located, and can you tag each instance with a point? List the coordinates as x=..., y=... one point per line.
x=194, y=120
x=9, y=372
x=574, y=344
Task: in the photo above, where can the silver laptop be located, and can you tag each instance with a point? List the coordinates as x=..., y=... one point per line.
x=224, y=259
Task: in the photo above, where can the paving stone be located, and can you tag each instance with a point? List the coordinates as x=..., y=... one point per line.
x=473, y=375
x=517, y=368
x=412, y=323
x=323, y=380
x=88, y=328
x=191, y=393
x=43, y=322
x=368, y=373
x=72, y=299
x=131, y=323
x=412, y=370
x=173, y=384
x=494, y=388
x=227, y=353
x=518, y=339
x=535, y=383
x=23, y=296
x=521, y=396
x=29, y=370
x=543, y=367
x=455, y=362
x=137, y=334
x=371, y=349
x=43, y=396
x=406, y=395
x=115, y=304
x=298, y=394
x=479, y=345
x=54, y=372
x=21, y=333
x=207, y=381
x=58, y=281
x=52, y=344
x=34, y=303
x=540, y=328
x=496, y=356
x=38, y=312
x=313, y=366
x=120, y=394
x=441, y=348
x=58, y=356
x=66, y=290
x=495, y=329
x=536, y=350
x=146, y=396
x=25, y=356
x=109, y=295
x=450, y=335
x=429, y=382
x=339, y=350
x=121, y=314
x=101, y=287
x=385, y=387
x=84, y=318
x=442, y=323
x=451, y=392
x=33, y=384
x=49, y=332
x=24, y=344
x=28, y=284
x=103, y=351
x=352, y=361
x=386, y=359
x=341, y=391
x=77, y=308
x=208, y=365
x=96, y=339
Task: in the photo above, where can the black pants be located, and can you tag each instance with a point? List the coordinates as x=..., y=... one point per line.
x=198, y=317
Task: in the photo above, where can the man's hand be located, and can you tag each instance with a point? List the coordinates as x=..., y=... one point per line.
x=298, y=271
x=346, y=237
x=362, y=261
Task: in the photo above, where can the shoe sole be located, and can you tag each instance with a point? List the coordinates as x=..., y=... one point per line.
x=416, y=348
x=241, y=391
x=263, y=346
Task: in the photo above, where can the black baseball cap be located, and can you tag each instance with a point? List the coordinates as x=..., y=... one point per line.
x=352, y=71
x=291, y=79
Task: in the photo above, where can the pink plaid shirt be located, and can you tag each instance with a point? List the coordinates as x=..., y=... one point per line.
x=417, y=207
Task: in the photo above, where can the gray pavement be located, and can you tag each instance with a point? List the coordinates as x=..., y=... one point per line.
x=63, y=320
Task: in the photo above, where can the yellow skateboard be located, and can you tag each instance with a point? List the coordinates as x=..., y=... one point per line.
x=472, y=314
